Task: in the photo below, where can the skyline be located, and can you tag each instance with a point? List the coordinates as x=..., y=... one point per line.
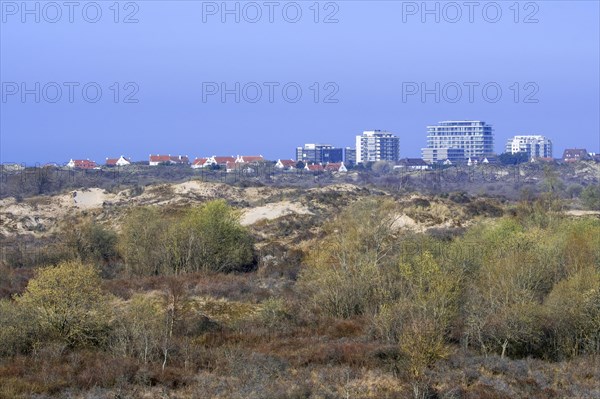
x=192, y=158
x=399, y=74
x=497, y=144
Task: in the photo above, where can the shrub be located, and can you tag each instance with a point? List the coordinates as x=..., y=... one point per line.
x=67, y=304
x=16, y=329
x=205, y=238
x=139, y=329
x=591, y=197
x=573, y=309
x=93, y=242
x=530, y=285
x=142, y=241
x=574, y=190
x=345, y=272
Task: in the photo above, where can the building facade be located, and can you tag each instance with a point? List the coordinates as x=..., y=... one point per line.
x=81, y=164
x=475, y=138
x=155, y=160
x=377, y=145
x=350, y=156
x=319, y=153
x=121, y=161
x=450, y=156
x=535, y=146
x=575, y=154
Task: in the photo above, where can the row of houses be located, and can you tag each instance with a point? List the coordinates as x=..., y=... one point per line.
x=224, y=161
x=155, y=160
x=244, y=163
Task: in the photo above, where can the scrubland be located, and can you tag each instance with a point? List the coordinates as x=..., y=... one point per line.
x=208, y=290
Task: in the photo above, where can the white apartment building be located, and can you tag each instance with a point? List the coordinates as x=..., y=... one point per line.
x=377, y=145
x=535, y=146
x=475, y=138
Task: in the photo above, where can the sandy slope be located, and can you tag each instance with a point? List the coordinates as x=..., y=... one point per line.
x=38, y=215
x=272, y=211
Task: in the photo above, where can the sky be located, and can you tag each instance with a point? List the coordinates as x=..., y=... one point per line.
x=90, y=80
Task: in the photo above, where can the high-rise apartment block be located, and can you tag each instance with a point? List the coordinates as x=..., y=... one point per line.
x=377, y=145
x=350, y=156
x=319, y=153
x=535, y=146
x=475, y=138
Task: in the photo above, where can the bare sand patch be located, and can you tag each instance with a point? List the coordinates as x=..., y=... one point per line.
x=89, y=199
x=273, y=211
x=575, y=212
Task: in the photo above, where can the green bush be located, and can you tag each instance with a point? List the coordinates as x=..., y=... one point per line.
x=345, y=272
x=93, y=242
x=67, y=304
x=205, y=238
x=591, y=197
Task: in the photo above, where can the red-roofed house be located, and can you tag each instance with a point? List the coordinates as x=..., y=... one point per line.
x=249, y=158
x=286, y=164
x=314, y=167
x=238, y=167
x=575, y=154
x=81, y=164
x=159, y=159
x=168, y=159
x=231, y=166
x=121, y=161
x=200, y=163
x=221, y=161
x=336, y=167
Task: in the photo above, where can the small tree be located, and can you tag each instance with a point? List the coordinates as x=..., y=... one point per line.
x=209, y=238
x=574, y=190
x=591, y=197
x=427, y=305
x=205, y=238
x=93, y=242
x=17, y=328
x=573, y=307
x=346, y=271
x=142, y=241
x=67, y=303
x=139, y=328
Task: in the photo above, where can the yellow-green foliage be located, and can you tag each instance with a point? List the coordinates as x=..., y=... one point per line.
x=204, y=238
x=67, y=304
x=427, y=304
x=16, y=328
x=363, y=268
x=345, y=270
x=509, y=283
x=518, y=292
x=574, y=307
x=209, y=237
x=141, y=241
x=140, y=327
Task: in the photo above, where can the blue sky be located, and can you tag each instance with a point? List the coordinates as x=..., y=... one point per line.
x=363, y=65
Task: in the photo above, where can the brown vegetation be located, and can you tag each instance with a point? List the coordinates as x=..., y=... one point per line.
x=368, y=296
